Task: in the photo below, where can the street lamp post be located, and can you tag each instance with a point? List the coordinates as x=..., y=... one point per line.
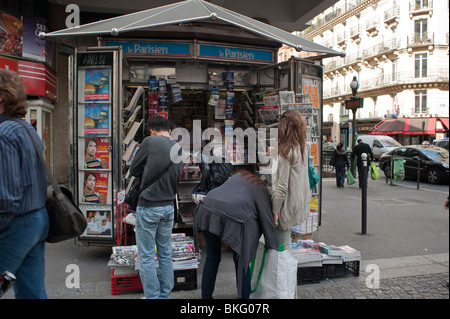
x=354, y=85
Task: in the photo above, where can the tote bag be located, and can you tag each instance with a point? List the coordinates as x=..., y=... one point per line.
x=276, y=278
x=374, y=174
x=350, y=178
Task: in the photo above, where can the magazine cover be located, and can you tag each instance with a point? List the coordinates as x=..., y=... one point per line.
x=96, y=119
x=96, y=153
x=98, y=223
x=311, y=86
x=268, y=114
x=95, y=187
x=97, y=85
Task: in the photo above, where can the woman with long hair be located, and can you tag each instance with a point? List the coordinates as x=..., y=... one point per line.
x=291, y=195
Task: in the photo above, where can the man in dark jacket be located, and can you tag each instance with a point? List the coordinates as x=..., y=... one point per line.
x=358, y=150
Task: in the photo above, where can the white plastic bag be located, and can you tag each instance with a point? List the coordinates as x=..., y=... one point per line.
x=278, y=278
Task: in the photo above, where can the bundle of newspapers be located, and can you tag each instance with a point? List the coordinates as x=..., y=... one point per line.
x=184, y=255
x=312, y=254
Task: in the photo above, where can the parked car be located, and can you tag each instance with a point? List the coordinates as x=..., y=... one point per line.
x=434, y=162
x=443, y=143
x=379, y=144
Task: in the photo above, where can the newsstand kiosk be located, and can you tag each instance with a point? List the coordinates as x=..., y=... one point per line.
x=190, y=60
x=122, y=83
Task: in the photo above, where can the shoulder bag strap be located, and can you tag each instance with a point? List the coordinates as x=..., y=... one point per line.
x=166, y=169
x=50, y=176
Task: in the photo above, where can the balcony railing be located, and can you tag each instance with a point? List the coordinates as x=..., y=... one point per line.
x=418, y=39
x=338, y=11
x=391, y=79
x=372, y=23
x=417, y=5
x=381, y=48
x=391, y=13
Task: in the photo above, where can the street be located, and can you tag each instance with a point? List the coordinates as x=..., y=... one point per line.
x=407, y=235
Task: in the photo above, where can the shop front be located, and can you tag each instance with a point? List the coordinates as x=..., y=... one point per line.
x=413, y=130
x=185, y=69
x=39, y=82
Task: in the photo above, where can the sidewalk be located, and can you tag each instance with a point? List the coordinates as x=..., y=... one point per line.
x=407, y=239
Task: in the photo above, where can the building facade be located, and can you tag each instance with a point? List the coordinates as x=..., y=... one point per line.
x=398, y=50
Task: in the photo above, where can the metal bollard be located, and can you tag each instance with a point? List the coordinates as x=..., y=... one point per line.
x=364, y=194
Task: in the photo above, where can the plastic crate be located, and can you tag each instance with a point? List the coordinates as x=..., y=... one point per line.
x=340, y=270
x=308, y=275
x=127, y=283
x=184, y=279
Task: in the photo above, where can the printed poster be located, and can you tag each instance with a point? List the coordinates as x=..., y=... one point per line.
x=311, y=87
x=96, y=153
x=98, y=223
x=97, y=84
x=95, y=187
x=96, y=119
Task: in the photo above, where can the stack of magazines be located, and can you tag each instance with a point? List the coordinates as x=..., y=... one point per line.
x=184, y=255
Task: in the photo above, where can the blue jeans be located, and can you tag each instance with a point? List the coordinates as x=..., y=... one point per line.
x=211, y=267
x=340, y=176
x=154, y=227
x=22, y=252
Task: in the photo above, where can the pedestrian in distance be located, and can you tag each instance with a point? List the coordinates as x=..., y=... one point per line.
x=340, y=161
x=358, y=150
x=155, y=208
x=24, y=222
x=237, y=212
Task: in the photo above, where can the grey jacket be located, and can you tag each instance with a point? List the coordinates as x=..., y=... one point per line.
x=151, y=159
x=239, y=213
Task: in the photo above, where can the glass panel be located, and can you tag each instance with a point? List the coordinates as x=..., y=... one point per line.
x=46, y=136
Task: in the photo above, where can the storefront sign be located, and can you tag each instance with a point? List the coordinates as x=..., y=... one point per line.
x=38, y=79
x=153, y=48
x=8, y=64
x=354, y=103
x=234, y=53
x=33, y=47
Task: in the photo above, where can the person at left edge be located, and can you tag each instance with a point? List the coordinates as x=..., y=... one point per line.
x=155, y=209
x=23, y=191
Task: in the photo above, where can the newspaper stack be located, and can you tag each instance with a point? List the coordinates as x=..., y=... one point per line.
x=184, y=255
x=308, y=254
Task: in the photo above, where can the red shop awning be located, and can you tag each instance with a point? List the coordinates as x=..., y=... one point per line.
x=382, y=127
x=444, y=121
x=406, y=126
x=418, y=126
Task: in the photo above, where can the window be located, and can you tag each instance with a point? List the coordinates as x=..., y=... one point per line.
x=420, y=31
x=400, y=152
x=420, y=102
x=420, y=65
x=421, y=4
x=394, y=70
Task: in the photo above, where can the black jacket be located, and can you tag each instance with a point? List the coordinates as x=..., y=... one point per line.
x=339, y=159
x=360, y=149
x=214, y=174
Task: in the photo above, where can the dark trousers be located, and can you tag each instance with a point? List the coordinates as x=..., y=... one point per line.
x=340, y=176
x=211, y=267
x=360, y=171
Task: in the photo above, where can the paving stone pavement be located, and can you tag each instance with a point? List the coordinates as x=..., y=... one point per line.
x=433, y=286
